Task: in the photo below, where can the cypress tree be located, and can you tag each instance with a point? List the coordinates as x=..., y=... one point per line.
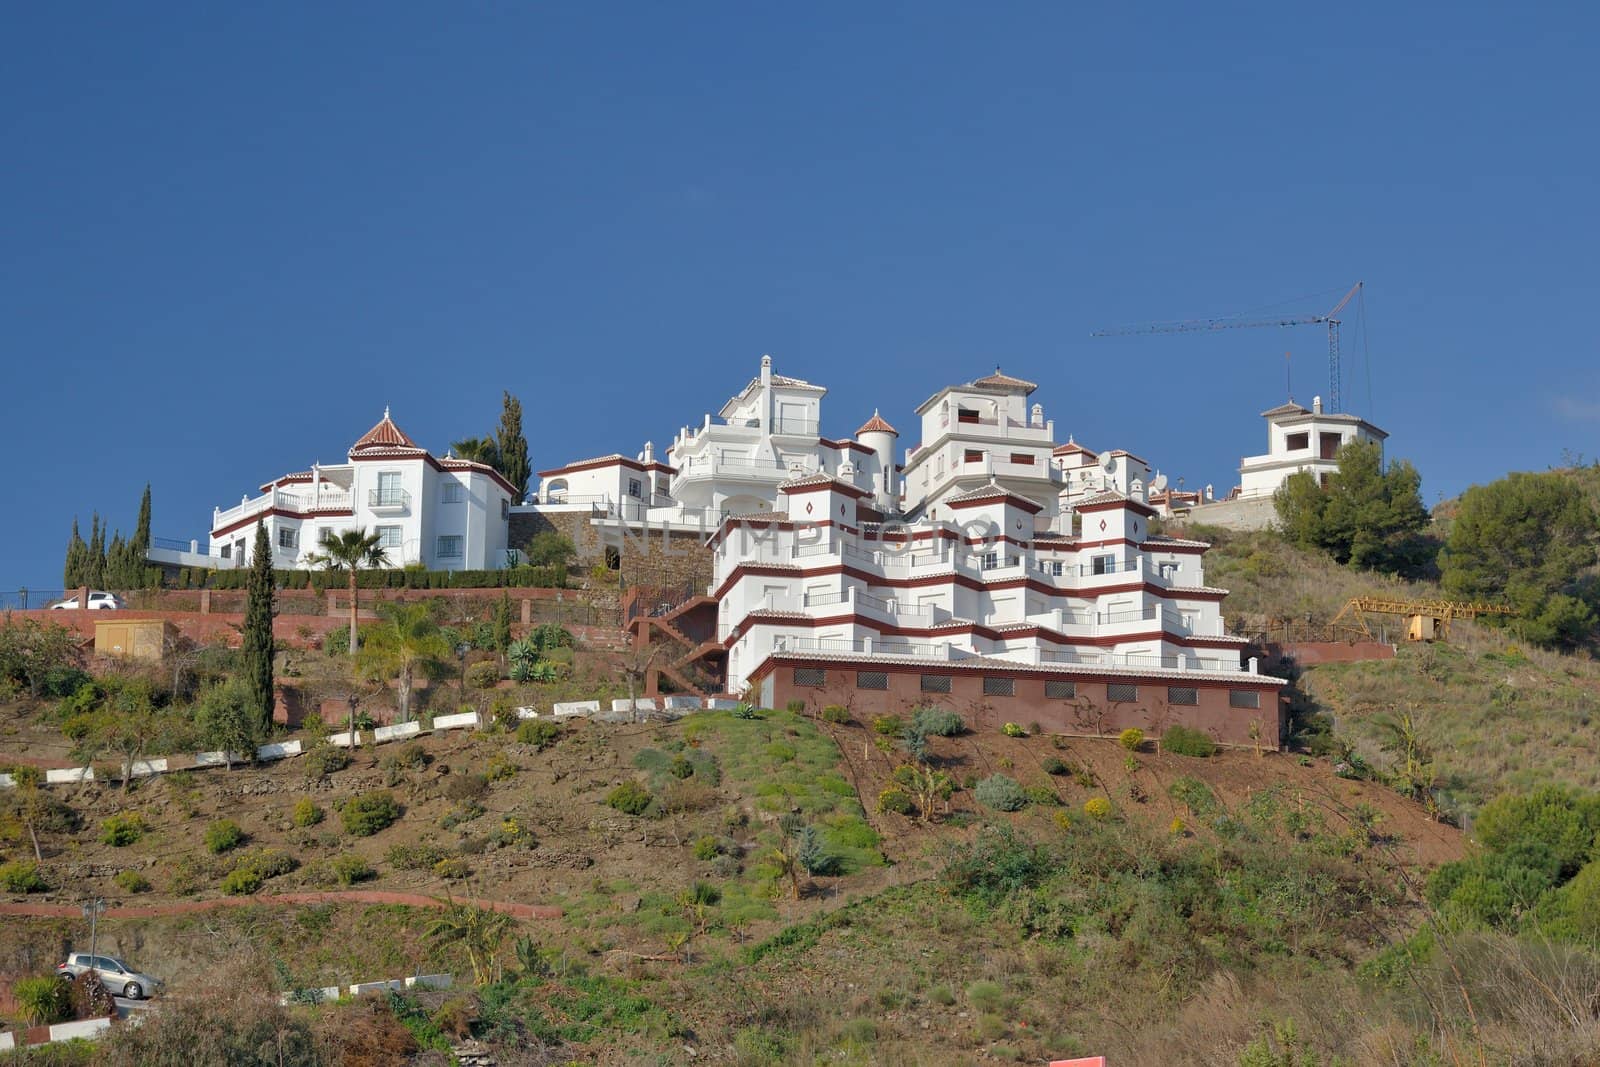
x=94, y=567
x=502, y=623
x=116, y=576
x=77, y=550
x=512, y=447
x=139, y=544
x=257, y=650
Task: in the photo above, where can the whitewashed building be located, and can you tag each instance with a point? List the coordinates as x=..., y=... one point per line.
x=1301, y=440
x=442, y=512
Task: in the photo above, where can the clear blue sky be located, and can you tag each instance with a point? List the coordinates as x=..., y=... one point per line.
x=230, y=234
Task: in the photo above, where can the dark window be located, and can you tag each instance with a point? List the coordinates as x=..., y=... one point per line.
x=999, y=687
x=1104, y=565
x=936, y=683
x=1330, y=444
x=1244, y=698
x=973, y=455
x=1182, y=694
x=1023, y=458
x=964, y=415
x=287, y=538
x=1117, y=692
x=1060, y=690
x=809, y=677
x=1296, y=441
x=872, y=680
x=635, y=488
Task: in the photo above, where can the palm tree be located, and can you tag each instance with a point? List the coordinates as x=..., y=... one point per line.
x=407, y=641
x=478, y=449
x=480, y=931
x=352, y=551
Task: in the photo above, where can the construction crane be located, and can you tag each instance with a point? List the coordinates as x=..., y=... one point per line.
x=1426, y=620
x=1331, y=319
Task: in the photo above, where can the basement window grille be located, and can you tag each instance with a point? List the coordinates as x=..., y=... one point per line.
x=1118, y=692
x=999, y=687
x=810, y=677
x=1183, y=694
x=872, y=680
x=1060, y=690
x=936, y=683
x=1244, y=698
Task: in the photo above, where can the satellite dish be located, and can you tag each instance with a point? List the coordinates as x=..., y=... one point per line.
x=1158, y=484
x=1109, y=462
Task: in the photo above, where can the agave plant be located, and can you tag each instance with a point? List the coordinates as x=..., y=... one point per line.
x=524, y=657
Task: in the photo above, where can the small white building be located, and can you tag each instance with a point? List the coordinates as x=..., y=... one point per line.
x=442, y=512
x=1301, y=440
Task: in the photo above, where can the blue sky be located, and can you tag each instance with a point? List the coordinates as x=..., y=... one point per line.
x=231, y=234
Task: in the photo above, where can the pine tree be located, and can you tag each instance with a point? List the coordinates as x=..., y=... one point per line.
x=511, y=447
x=257, y=650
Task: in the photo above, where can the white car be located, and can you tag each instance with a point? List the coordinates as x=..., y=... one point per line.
x=99, y=600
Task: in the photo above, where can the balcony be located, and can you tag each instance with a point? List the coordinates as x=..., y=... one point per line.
x=389, y=501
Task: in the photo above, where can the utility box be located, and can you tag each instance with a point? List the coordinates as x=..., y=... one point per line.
x=138, y=639
x=1422, y=628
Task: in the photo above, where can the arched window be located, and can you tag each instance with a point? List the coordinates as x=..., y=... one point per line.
x=555, y=490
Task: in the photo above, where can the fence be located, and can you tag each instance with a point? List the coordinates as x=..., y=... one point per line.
x=29, y=599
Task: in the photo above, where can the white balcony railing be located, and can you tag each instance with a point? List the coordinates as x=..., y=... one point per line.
x=389, y=499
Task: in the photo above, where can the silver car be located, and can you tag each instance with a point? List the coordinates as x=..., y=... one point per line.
x=118, y=977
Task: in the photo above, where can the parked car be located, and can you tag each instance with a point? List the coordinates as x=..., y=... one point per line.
x=118, y=977
x=99, y=600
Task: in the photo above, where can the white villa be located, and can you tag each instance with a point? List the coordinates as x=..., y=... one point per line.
x=1301, y=440
x=443, y=512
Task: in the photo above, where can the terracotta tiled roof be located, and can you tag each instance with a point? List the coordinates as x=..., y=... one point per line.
x=1071, y=447
x=876, y=424
x=1291, y=408
x=992, y=492
x=384, y=435
x=822, y=479
x=997, y=380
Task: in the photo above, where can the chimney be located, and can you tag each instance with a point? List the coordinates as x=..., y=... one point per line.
x=1316, y=404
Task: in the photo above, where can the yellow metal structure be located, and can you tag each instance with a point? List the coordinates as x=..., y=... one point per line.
x=1426, y=620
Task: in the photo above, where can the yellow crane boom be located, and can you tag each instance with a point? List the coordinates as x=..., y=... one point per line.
x=1426, y=619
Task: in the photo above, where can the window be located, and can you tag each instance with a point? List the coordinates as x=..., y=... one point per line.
x=999, y=687
x=1244, y=698
x=1023, y=459
x=449, y=546
x=227, y=551
x=936, y=683
x=1330, y=443
x=452, y=493
x=1060, y=690
x=635, y=488
x=288, y=537
x=1103, y=565
x=1051, y=566
x=1118, y=692
x=1297, y=441
x=1183, y=694
x=324, y=534
x=388, y=536
x=988, y=561
x=1167, y=570
x=872, y=680
x=966, y=415
x=389, y=491
x=972, y=455
x=810, y=677
x=505, y=508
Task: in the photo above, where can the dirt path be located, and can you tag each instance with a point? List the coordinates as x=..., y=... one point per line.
x=354, y=896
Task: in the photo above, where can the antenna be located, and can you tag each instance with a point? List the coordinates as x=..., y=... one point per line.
x=1288, y=376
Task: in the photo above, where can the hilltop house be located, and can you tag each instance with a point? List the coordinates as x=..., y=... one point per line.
x=443, y=512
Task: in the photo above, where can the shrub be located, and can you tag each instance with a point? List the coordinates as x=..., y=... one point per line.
x=894, y=800
x=540, y=733
x=223, y=835
x=1012, y=729
x=367, y=813
x=500, y=768
x=465, y=786
x=120, y=830
x=707, y=848
x=1063, y=821
x=1131, y=738
x=132, y=882
x=324, y=760
x=1177, y=827
x=888, y=726
x=999, y=793
x=413, y=857
x=1186, y=741
x=43, y=999
x=349, y=869
x=453, y=868
x=985, y=996
x=242, y=882
x=795, y=707
x=252, y=869
x=1055, y=765
x=1097, y=807
x=484, y=675
x=836, y=713
x=1041, y=795
x=21, y=876
x=938, y=722
x=306, y=813
x=631, y=798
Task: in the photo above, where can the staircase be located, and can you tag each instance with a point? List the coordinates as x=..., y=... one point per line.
x=674, y=632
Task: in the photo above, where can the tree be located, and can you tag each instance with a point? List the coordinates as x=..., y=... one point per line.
x=1523, y=540
x=72, y=574
x=1366, y=515
x=31, y=802
x=511, y=447
x=550, y=548
x=94, y=569
x=351, y=551
x=407, y=642
x=502, y=624
x=229, y=720
x=479, y=931
x=139, y=544
x=32, y=651
x=257, y=650
x=477, y=449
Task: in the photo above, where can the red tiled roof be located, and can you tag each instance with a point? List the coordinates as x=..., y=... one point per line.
x=876, y=424
x=384, y=435
x=997, y=380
